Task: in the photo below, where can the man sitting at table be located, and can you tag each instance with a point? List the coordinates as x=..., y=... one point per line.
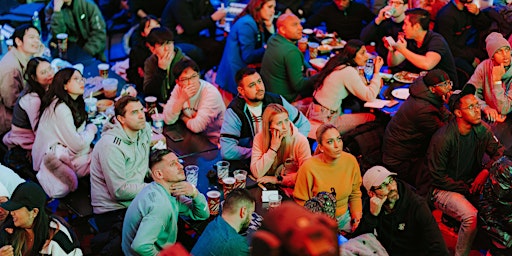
x=152, y=218
x=345, y=17
x=242, y=119
x=82, y=21
x=455, y=160
x=119, y=162
x=409, y=132
x=26, y=43
x=197, y=102
x=401, y=219
x=158, y=78
x=421, y=49
x=221, y=236
x=383, y=26
x=283, y=65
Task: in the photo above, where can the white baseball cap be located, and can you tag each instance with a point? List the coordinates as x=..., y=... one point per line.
x=375, y=176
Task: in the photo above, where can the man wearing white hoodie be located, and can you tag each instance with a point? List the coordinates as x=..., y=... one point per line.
x=120, y=161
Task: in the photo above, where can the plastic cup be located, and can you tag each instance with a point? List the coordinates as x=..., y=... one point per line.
x=110, y=87
x=62, y=42
x=103, y=69
x=90, y=106
x=150, y=104
x=158, y=124
x=213, y=197
x=240, y=177
x=274, y=201
x=313, y=50
x=192, y=173
x=303, y=44
x=389, y=13
x=228, y=185
x=222, y=170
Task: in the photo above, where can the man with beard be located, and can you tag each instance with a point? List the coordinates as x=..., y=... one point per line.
x=221, y=236
x=152, y=218
x=242, y=119
x=455, y=160
x=403, y=222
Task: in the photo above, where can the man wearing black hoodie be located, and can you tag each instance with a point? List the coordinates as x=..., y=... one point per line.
x=402, y=220
x=408, y=133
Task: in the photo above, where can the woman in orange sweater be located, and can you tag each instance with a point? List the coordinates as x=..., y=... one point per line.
x=331, y=167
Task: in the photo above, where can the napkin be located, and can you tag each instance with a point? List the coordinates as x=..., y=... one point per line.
x=376, y=103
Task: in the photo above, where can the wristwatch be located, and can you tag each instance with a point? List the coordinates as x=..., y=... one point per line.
x=279, y=178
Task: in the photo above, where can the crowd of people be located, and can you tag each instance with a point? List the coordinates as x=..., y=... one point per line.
x=439, y=150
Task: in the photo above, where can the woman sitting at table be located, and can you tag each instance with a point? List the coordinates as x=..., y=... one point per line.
x=246, y=41
x=39, y=75
x=279, y=149
x=338, y=78
x=493, y=79
x=31, y=231
x=140, y=51
x=331, y=167
x=62, y=144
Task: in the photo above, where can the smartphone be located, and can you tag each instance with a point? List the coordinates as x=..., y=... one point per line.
x=174, y=135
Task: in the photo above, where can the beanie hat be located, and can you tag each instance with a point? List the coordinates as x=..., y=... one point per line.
x=434, y=77
x=493, y=42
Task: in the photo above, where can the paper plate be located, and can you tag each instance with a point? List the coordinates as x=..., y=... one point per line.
x=307, y=31
x=318, y=63
x=401, y=93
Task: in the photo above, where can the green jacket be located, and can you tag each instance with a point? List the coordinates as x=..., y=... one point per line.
x=83, y=23
x=283, y=67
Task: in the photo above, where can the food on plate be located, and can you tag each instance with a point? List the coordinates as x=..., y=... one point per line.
x=337, y=43
x=405, y=77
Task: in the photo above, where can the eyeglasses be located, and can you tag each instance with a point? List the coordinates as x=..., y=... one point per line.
x=78, y=80
x=446, y=83
x=472, y=107
x=187, y=79
x=395, y=3
x=385, y=184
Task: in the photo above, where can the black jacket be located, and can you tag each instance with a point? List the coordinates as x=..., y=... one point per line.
x=409, y=132
x=409, y=230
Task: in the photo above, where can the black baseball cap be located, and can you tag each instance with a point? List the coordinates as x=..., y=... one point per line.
x=27, y=194
x=435, y=77
x=458, y=94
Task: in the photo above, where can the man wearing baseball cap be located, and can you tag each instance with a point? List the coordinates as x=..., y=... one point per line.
x=409, y=132
x=455, y=161
x=402, y=220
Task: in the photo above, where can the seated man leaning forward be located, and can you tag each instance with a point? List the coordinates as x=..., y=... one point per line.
x=119, y=162
x=197, y=102
x=152, y=218
x=402, y=219
x=420, y=48
x=243, y=117
x=221, y=236
x=283, y=67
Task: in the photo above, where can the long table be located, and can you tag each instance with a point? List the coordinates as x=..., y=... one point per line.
x=192, y=143
x=206, y=162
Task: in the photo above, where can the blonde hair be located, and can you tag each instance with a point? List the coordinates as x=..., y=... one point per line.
x=270, y=111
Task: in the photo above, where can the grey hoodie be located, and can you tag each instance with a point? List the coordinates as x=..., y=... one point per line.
x=118, y=167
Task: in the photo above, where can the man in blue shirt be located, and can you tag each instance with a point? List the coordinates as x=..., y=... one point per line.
x=221, y=236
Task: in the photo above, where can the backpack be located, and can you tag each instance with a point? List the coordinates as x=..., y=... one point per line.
x=323, y=202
